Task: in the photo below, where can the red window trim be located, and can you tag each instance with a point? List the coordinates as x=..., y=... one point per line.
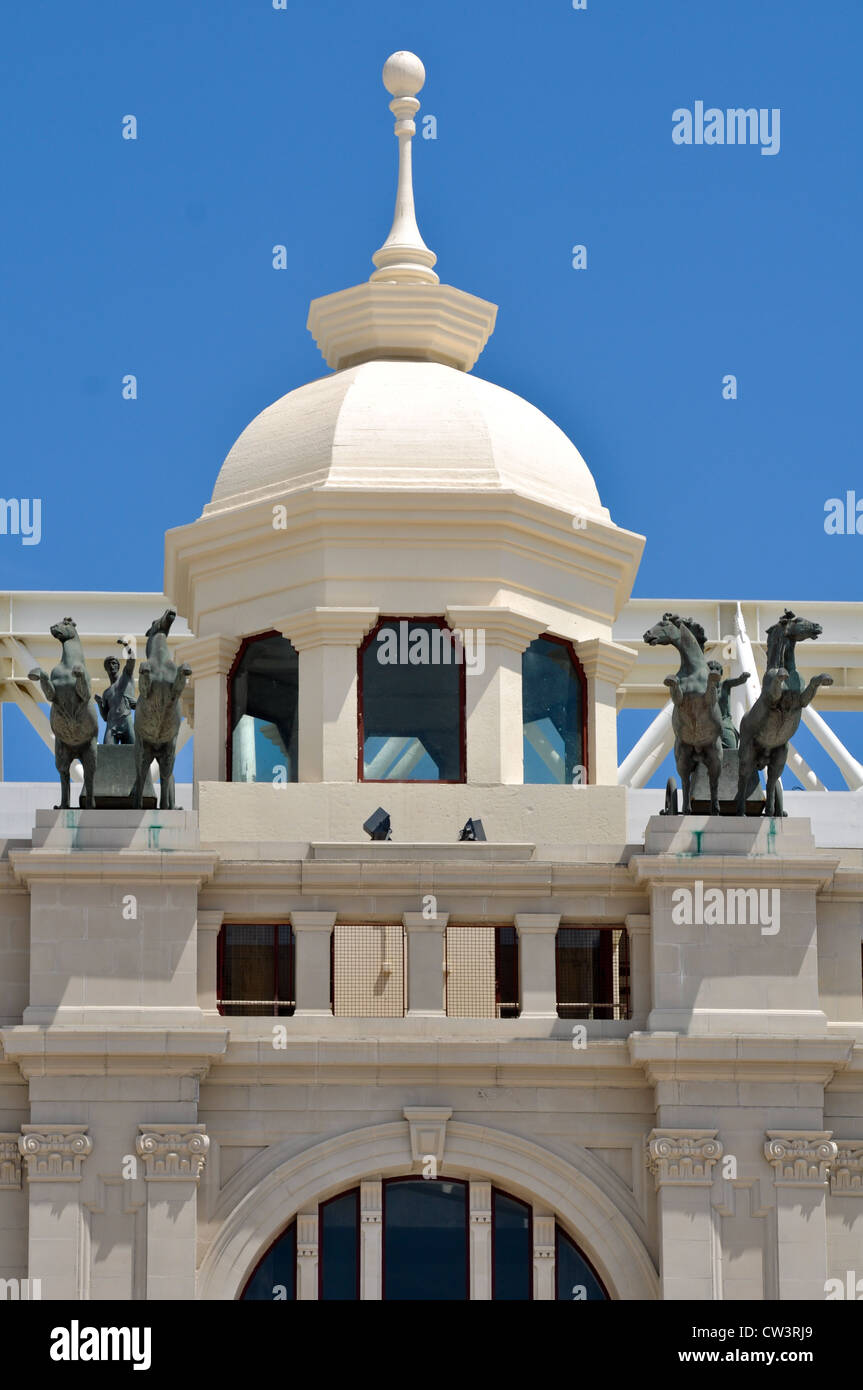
x=229, y=732
x=432, y=620
x=582, y=680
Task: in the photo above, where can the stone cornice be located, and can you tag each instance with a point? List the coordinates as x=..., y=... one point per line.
x=77, y=1050
x=763, y=870
x=328, y=627
x=54, y=1153
x=209, y=656
x=172, y=1152
x=846, y=1174
x=127, y=866
x=683, y=1157
x=604, y=555
x=10, y=1162
x=676, y=1057
x=605, y=660
x=503, y=627
x=800, y=1158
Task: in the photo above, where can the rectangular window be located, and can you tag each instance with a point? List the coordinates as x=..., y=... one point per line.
x=482, y=972
x=368, y=976
x=592, y=966
x=256, y=969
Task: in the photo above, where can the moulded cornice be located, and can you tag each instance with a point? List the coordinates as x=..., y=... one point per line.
x=209, y=656
x=741, y=869
x=602, y=554
x=605, y=660
x=127, y=866
x=430, y=323
x=328, y=627
x=78, y=1050
x=503, y=627
x=679, y=1057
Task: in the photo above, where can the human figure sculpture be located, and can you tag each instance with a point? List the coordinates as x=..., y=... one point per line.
x=161, y=682
x=117, y=701
x=74, y=721
x=768, y=727
x=730, y=736
x=696, y=718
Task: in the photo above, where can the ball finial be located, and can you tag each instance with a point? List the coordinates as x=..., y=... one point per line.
x=403, y=74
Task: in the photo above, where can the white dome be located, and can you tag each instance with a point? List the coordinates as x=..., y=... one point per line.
x=392, y=425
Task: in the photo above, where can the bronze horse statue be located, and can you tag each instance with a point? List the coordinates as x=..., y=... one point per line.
x=768, y=727
x=74, y=721
x=161, y=682
x=696, y=718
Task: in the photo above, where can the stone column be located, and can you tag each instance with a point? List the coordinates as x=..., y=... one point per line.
x=426, y=950
x=480, y=1241
x=209, y=925
x=54, y=1155
x=544, y=1282
x=493, y=700
x=537, y=936
x=13, y=1210
x=606, y=665
x=681, y=1161
x=371, y=1240
x=640, y=973
x=210, y=658
x=845, y=1218
x=307, y=1257
x=312, y=932
x=173, y=1156
x=327, y=640
x=801, y=1162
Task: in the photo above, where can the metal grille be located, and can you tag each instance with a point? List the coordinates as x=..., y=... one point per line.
x=369, y=970
x=482, y=972
x=470, y=981
x=256, y=969
x=593, y=973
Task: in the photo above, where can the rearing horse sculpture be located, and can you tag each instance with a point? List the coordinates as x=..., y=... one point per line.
x=74, y=721
x=161, y=682
x=696, y=718
x=768, y=727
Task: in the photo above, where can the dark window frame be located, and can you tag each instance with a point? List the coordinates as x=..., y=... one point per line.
x=337, y=1197
x=412, y=1177
x=289, y=1006
x=431, y=620
x=582, y=679
x=511, y=1197
x=229, y=732
x=605, y=971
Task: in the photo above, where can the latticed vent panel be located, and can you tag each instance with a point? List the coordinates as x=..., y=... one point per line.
x=369, y=970
x=470, y=958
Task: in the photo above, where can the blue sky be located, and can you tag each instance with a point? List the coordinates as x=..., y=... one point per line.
x=259, y=126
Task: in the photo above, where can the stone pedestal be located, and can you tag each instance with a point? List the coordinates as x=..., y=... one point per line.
x=114, y=781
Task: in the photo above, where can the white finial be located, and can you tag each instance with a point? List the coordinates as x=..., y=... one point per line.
x=404, y=257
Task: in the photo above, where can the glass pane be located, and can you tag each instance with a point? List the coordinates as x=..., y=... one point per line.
x=411, y=704
x=339, y=1247
x=264, y=706
x=276, y=1275
x=552, y=708
x=513, y=1256
x=575, y=1278
x=588, y=975
x=425, y=1240
x=248, y=969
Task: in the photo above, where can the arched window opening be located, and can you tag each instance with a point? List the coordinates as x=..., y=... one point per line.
x=275, y=1276
x=576, y=1279
x=425, y=1249
x=554, y=711
x=263, y=691
x=411, y=703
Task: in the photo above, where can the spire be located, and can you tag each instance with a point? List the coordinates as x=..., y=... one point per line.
x=404, y=257
x=402, y=310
